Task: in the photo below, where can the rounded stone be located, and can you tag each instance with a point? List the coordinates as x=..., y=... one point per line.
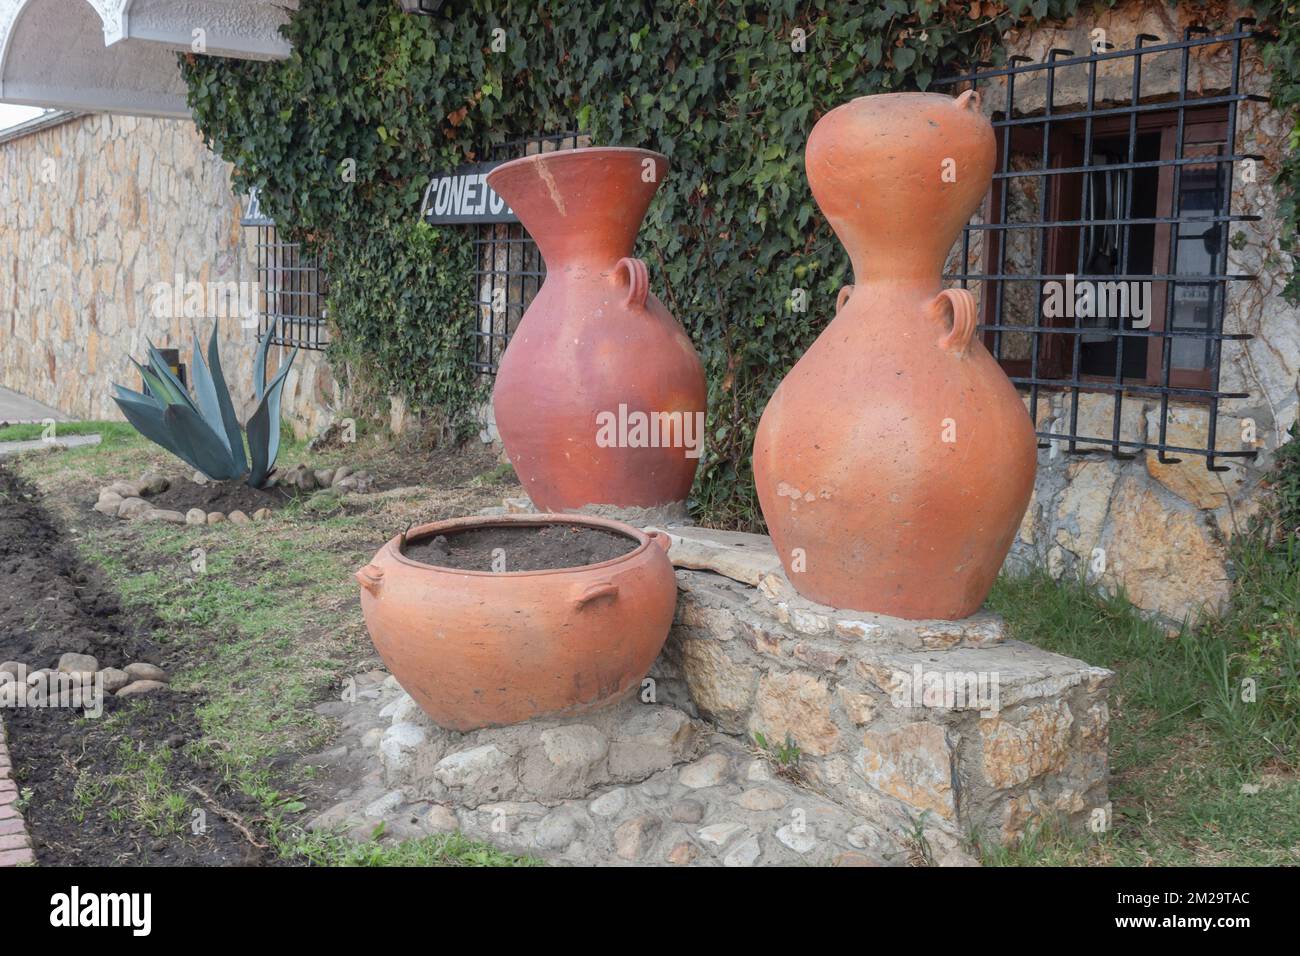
x=77, y=664
x=633, y=837
x=708, y=771
x=556, y=831
x=144, y=671
x=441, y=819
x=261, y=514
x=133, y=507
x=114, y=679
x=216, y=517
x=238, y=517
x=609, y=804
x=152, y=484
x=196, y=516
x=688, y=811
x=136, y=688
x=683, y=854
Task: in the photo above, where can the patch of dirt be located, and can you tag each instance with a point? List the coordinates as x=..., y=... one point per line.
x=224, y=496
x=412, y=464
x=51, y=603
x=540, y=548
x=78, y=816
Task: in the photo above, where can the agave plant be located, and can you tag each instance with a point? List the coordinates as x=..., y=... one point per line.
x=203, y=431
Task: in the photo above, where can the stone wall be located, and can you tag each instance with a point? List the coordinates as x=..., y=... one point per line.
x=1159, y=530
x=94, y=213
x=945, y=723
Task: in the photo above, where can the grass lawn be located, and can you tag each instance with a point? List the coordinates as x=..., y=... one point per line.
x=1201, y=776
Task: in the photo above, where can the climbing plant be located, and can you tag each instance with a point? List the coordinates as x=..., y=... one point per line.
x=342, y=136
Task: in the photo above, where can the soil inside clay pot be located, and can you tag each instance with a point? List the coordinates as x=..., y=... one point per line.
x=521, y=548
x=223, y=496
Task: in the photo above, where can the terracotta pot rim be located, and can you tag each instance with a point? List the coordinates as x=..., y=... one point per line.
x=476, y=522
x=523, y=161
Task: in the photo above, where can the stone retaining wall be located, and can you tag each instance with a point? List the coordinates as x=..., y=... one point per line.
x=1021, y=738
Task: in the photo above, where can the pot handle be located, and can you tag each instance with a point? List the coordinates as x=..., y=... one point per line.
x=962, y=304
x=594, y=591
x=371, y=577
x=970, y=100
x=638, y=281
x=661, y=538
x=842, y=298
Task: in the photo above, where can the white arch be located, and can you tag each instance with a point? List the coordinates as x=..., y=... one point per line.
x=128, y=65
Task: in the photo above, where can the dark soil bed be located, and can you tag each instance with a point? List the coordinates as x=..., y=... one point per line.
x=80, y=814
x=538, y=548
x=223, y=496
x=71, y=767
x=51, y=603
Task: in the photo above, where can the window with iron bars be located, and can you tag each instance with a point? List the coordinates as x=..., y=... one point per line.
x=508, y=267
x=291, y=287
x=1125, y=190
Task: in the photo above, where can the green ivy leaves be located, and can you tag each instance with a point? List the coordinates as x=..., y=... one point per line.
x=719, y=87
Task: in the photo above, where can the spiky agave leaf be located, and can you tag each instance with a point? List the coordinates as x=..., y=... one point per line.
x=205, y=394
x=264, y=427
x=201, y=445
x=177, y=394
x=229, y=420
x=146, y=414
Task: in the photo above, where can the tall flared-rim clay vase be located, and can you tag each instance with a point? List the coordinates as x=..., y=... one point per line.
x=600, y=395
x=895, y=461
x=484, y=649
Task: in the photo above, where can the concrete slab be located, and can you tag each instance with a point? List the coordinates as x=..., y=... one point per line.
x=8, y=448
x=16, y=408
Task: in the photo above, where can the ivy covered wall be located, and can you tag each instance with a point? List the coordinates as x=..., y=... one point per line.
x=342, y=136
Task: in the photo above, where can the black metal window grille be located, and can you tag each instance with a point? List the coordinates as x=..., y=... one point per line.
x=291, y=292
x=1127, y=189
x=508, y=268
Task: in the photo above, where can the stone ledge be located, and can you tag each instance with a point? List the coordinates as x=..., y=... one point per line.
x=902, y=719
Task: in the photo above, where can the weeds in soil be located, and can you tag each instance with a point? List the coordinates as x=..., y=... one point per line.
x=502, y=474
x=452, y=849
x=783, y=757
x=139, y=788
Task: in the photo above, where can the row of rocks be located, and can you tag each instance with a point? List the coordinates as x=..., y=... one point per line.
x=137, y=509
x=132, y=680
x=306, y=480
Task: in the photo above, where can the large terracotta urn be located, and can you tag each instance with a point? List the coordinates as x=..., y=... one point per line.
x=895, y=461
x=486, y=649
x=600, y=395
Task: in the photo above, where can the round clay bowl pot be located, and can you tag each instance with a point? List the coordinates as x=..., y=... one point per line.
x=480, y=649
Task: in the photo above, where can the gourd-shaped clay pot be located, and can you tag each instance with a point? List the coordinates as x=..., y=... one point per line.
x=600, y=395
x=895, y=461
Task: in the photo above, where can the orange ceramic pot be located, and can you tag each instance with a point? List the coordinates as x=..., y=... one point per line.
x=596, y=348
x=895, y=461
x=477, y=649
